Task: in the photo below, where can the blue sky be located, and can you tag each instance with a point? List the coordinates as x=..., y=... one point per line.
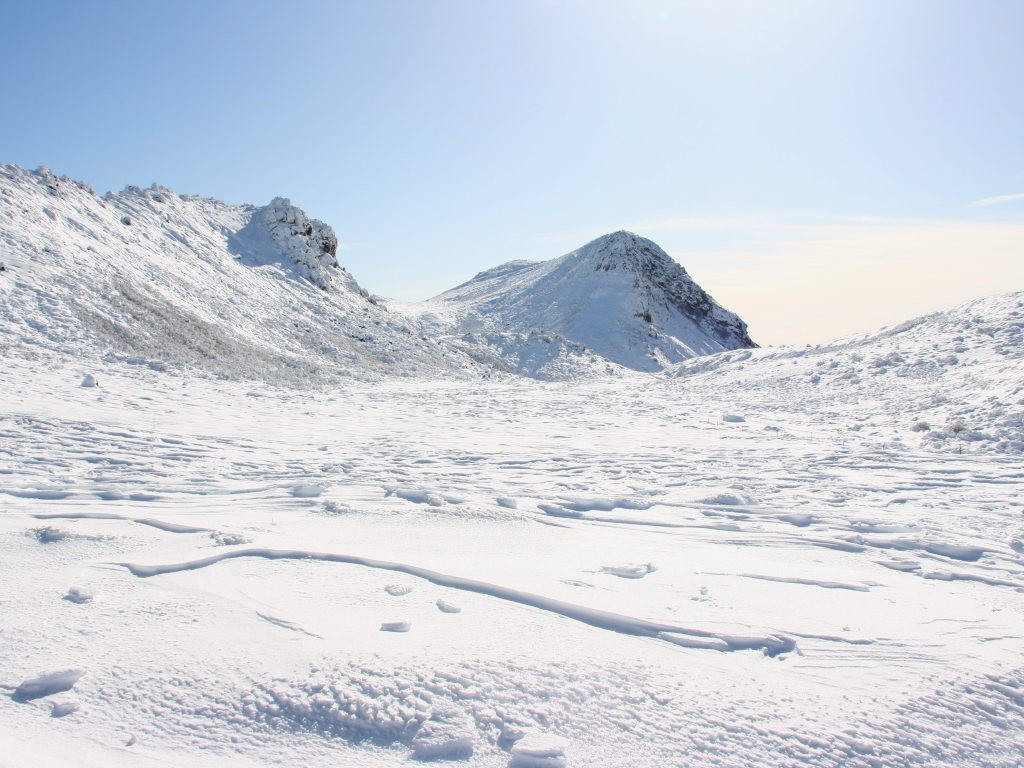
x=789, y=154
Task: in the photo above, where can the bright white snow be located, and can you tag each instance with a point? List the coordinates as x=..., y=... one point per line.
x=201, y=552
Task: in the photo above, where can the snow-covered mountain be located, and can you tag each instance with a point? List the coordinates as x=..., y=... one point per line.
x=163, y=279
x=620, y=296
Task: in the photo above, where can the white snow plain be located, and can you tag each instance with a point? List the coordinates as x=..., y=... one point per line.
x=818, y=584
x=770, y=557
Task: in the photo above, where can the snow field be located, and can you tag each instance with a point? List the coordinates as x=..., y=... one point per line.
x=892, y=570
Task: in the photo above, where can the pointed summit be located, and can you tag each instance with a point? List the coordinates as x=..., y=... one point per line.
x=620, y=295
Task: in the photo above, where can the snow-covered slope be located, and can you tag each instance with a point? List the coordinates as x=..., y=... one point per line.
x=769, y=557
x=621, y=296
x=167, y=279
x=952, y=379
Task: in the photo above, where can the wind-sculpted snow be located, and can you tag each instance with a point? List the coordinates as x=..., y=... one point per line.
x=770, y=644
x=163, y=526
x=519, y=558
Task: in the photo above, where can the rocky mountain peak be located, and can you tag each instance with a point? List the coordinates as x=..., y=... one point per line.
x=310, y=243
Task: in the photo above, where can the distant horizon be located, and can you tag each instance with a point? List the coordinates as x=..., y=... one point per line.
x=820, y=169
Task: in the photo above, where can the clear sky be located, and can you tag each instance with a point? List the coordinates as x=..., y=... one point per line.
x=821, y=167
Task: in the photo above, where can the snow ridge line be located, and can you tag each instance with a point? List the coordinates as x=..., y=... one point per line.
x=150, y=521
x=769, y=644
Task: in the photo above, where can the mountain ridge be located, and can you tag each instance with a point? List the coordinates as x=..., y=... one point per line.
x=175, y=279
x=238, y=291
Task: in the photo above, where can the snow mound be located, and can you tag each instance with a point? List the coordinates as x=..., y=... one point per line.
x=47, y=684
x=536, y=750
x=63, y=708
x=308, y=490
x=630, y=571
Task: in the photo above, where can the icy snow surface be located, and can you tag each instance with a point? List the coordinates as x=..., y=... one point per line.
x=767, y=557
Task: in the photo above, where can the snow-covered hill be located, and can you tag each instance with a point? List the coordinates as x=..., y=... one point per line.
x=951, y=380
x=163, y=279
x=620, y=296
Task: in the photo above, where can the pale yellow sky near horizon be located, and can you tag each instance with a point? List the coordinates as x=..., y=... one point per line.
x=800, y=283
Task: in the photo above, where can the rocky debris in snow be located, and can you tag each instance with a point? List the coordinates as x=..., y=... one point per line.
x=227, y=539
x=50, y=534
x=335, y=508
